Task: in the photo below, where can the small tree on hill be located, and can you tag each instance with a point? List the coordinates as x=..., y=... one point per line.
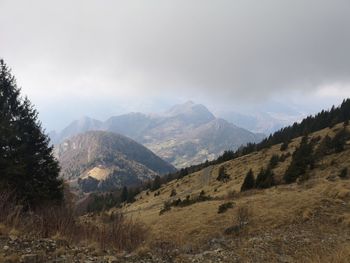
x=156, y=183
x=265, y=179
x=344, y=173
x=249, y=181
x=324, y=148
x=222, y=175
x=274, y=161
x=301, y=159
x=124, y=195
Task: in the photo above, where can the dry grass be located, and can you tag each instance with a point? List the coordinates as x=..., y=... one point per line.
x=115, y=231
x=318, y=200
x=340, y=255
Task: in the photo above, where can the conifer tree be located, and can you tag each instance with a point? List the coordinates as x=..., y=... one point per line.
x=156, y=183
x=301, y=159
x=27, y=164
x=265, y=179
x=340, y=139
x=249, y=181
x=124, y=195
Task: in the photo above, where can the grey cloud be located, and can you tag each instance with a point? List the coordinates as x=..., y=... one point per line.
x=228, y=49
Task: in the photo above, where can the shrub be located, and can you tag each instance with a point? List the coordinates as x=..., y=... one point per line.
x=243, y=216
x=173, y=193
x=224, y=207
x=202, y=197
x=344, y=173
x=166, y=207
x=242, y=219
x=222, y=176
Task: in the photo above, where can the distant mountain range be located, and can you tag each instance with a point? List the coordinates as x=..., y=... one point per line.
x=100, y=160
x=184, y=135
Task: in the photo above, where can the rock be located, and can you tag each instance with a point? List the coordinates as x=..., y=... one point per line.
x=13, y=237
x=6, y=248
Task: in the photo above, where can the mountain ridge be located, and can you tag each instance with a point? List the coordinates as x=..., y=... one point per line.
x=101, y=160
x=170, y=135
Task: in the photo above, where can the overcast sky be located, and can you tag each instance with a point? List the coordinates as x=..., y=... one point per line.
x=104, y=57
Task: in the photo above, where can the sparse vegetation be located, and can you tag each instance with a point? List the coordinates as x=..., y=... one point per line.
x=202, y=197
x=224, y=207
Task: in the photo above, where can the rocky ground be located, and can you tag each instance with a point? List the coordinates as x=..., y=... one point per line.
x=283, y=245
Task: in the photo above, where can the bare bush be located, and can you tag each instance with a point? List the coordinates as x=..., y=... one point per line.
x=243, y=216
x=241, y=220
x=118, y=232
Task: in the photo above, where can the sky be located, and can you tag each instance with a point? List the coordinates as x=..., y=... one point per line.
x=105, y=57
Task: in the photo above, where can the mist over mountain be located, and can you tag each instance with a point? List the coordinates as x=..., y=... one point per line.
x=183, y=135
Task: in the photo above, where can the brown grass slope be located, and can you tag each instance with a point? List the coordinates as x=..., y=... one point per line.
x=301, y=222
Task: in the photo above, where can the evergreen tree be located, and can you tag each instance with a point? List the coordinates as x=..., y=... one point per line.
x=249, y=181
x=27, y=164
x=265, y=179
x=301, y=159
x=274, y=161
x=344, y=173
x=156, y=183
x=124, y=195
x=284, y=146
x=324, y=147
x=340, y=139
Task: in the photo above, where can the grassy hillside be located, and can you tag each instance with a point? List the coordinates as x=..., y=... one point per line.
x=285, y=223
